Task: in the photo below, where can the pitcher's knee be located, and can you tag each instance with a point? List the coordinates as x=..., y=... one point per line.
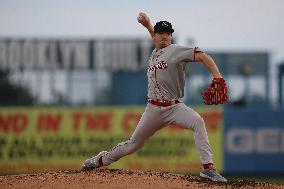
x=199, y=122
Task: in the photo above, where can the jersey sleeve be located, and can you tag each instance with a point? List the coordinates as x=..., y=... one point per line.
x=186, y=54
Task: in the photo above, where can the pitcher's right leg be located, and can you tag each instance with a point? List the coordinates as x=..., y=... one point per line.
x=149, y=123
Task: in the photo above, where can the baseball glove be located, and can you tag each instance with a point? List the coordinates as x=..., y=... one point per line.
x=216, y=92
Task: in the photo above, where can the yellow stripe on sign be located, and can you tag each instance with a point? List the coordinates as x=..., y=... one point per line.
x=58, y=138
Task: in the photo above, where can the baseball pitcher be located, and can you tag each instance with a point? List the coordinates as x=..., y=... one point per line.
x=166, y=79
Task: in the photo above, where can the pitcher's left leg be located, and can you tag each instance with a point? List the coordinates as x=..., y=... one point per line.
x=187, y=118
x=149, y=123
x=147, y=126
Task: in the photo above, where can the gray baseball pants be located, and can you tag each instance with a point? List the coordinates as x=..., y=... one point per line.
x=155, y=118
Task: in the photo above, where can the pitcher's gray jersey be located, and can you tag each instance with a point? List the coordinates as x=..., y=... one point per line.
x=166, y=78
x=166, y=72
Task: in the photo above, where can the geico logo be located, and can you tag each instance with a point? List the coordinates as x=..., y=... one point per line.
x=260, y=141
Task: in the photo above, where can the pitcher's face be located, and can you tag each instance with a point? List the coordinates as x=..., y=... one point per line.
x=162, y=39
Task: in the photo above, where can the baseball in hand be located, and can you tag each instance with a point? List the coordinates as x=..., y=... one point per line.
x=140, y=19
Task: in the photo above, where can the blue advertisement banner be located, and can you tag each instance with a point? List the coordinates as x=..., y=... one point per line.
x=253, y=141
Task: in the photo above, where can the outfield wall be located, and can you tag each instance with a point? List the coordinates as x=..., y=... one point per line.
x=49, y=139
x=57, y=138
x=254, y=140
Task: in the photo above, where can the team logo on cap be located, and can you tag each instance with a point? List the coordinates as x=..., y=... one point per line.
x=165, y=24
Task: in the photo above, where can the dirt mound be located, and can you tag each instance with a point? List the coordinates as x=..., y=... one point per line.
x=113, y=179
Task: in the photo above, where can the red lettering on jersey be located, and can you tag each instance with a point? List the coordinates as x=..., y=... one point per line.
x=160, y=65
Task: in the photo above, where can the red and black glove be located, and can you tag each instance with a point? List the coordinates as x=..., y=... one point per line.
x=216, y=92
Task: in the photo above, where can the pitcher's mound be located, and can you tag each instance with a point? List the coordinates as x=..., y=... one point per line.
x=116, y=179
